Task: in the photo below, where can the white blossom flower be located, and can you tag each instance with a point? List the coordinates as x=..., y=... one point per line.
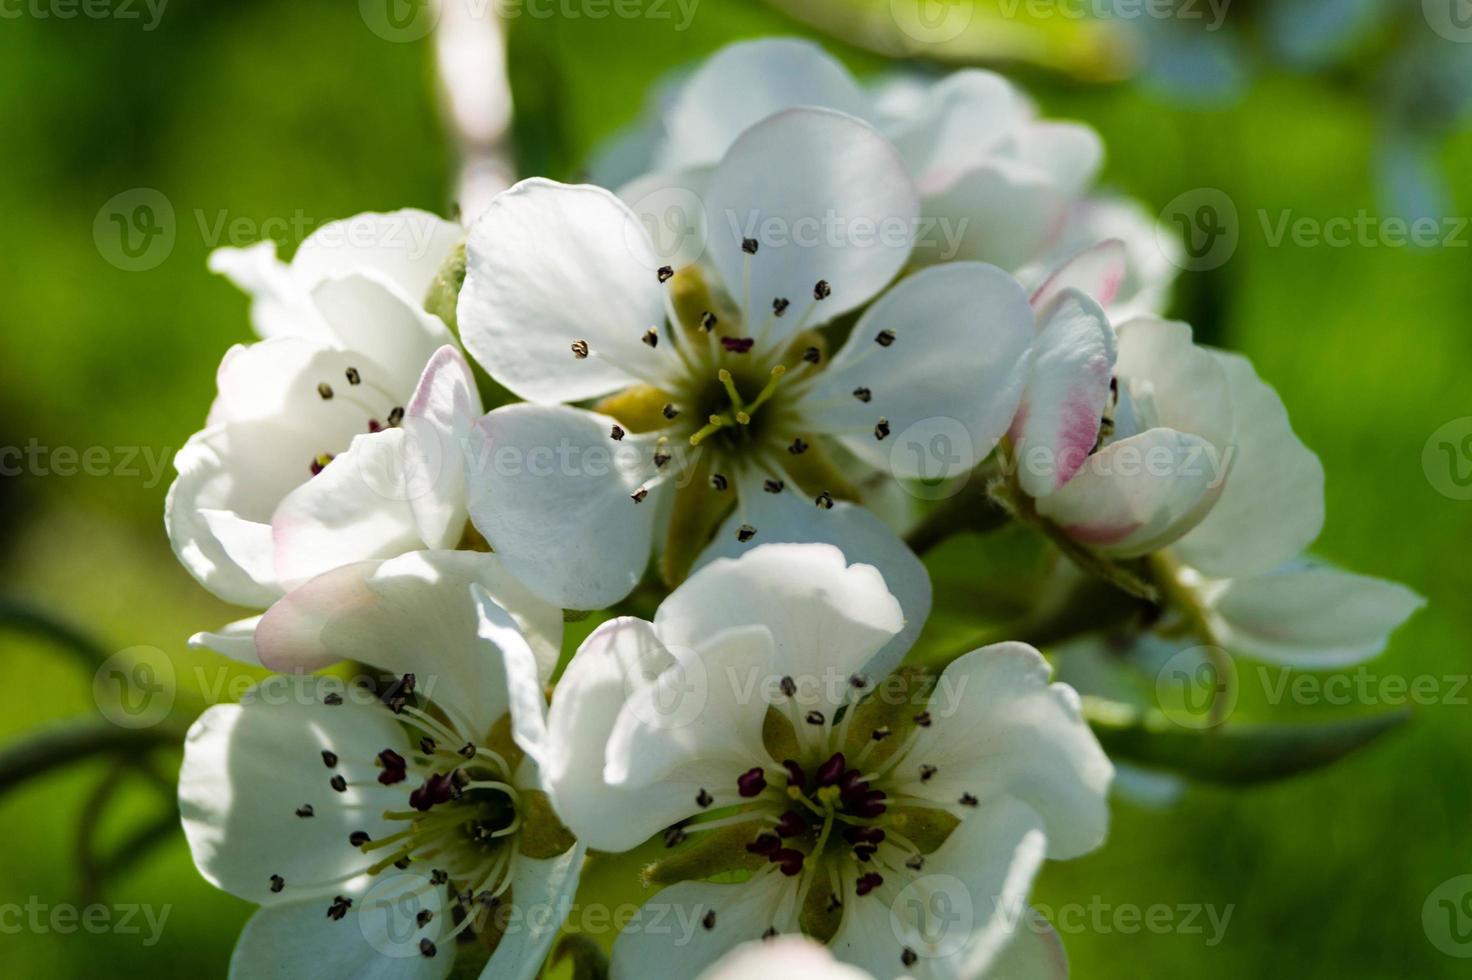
x=1153, y=445
x=380, y=829
x=737, y=723
x=334, y=438
x=997, y=184
x=725, y=414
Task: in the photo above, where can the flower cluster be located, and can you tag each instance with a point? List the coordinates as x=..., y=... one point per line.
x=718, y=446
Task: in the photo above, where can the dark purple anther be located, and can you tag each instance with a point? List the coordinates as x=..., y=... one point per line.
x=738, y=345
x=765, y=844
x=789, y=860
x=790, y=824
x=831, y=771
x=751, y=782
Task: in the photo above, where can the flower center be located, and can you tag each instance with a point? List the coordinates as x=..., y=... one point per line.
x=357, y=397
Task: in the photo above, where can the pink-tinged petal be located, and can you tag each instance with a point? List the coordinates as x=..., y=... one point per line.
x=1097, y=271
x=1067, y=392
x=1002, y=212
x=1136, y=495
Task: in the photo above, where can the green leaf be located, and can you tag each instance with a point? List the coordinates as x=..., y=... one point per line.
x=1231, y=754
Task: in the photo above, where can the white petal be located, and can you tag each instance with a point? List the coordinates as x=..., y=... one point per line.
x=1136, y=495
x=746, y=82
x=959, y=358
x=682, y=946
x=619, y=657
x=373, y=320
x=438, y=420
x=248, y=767
x=1067, y=391
x=963, y=120
x=1035, y=952
x=541, y=896
x=1001, y=212
x=374, y=941
x=782, y=956
x=549, y=264
x=844, y=212
x=1069, y=153
x=405, y=247
x=552, y=493
x=1272, y=506
x=526, y=672
x=1037, y=747
x=226, y=553
x=1174, y=383
x=828, y=618
x=412, y=614
x=1309, y=616
x=280, y=303
x=1097, y=271
x=704, y=712
x=863, y=538
x=357, y=508
x=235, y=640
x=977, y=882
x=1153, y=254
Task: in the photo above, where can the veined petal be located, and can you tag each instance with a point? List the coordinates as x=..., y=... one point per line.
x=1039, y=751
x=619, y=657
x=553, y=494
x=1035, y=952
x=405, y=247
x=948, y=343
x=548, y=265
x=1309, y=616
x=843, y=213
x=1272, y=505
x=413, y=615
x=828, y=618
x=863, y=538
x=742, y=912
x=1136, y=495
x=248, y=768
x=1067, y=392
x=744, y=83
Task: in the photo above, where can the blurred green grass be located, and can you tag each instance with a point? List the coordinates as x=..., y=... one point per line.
x=267, y=109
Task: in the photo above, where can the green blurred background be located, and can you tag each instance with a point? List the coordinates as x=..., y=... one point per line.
x=294, y=110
